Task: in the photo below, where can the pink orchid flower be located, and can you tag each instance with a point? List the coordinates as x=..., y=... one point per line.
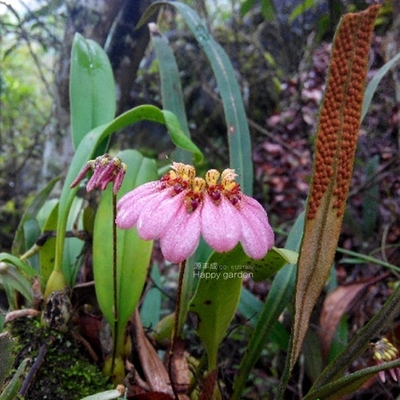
x=180, y=207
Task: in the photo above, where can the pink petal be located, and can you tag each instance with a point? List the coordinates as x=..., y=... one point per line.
x=158, y=213
x=392, y=373
x=138, y=193
x=257, y=236
x=131, y=205
x=220, y=224
x=118, y=180
x=82, y=174
x=181, y=239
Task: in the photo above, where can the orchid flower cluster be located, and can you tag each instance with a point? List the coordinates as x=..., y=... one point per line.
x=180, y=207
x=105, y=169
x=385, y=351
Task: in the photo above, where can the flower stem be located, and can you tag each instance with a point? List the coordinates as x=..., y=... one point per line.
x=176, y=332
x=115, y=310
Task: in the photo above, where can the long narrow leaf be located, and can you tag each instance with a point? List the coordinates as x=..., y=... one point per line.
x=16, y=281
x=372, y=86
x=171, y=89
x=21, y=265
x=30, y=213
x=235, y=116
x=350, y=383
x=10, y=392
x=133, y=253
x=92, y=88
x=280, y=294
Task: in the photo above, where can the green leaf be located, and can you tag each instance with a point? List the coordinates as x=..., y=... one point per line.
x=19, y=244
x=14, y=280
x=215, y=302
x=258, y=270
x=274, y=260
x=341, y=338
x=131, y=247
x=235, y=116
x=280, y=294
x=44, y=213
x=171, y=89
x=313, y=362
x=370, y=199
x=178, y=136
x=246, y=6
x=92, y=89
x=10, y=392
x=301, y=8
x=251, y=306
x=21, y=265
x=73, y=245
x=133, y=253
x=151, y=305
x=48, y=250
x=350, y=383
x=267, y=10
x=372, y=86
x=31, y=234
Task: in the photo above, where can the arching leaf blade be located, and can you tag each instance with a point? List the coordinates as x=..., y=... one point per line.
x=236, y=121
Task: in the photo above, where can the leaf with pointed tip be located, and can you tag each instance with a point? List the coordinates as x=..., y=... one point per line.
x=350, y=383
x=171, y=89
x=92, y=88
x=371, y=88
x=215, y=303
x=235, y=116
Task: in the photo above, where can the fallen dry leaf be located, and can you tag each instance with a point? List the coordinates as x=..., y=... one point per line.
x=336, y=304
x=153, y=369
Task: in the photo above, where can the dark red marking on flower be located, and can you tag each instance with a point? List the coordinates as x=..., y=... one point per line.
x=233, y=194
x=215, y=193
x=193, y=200
x=165, y=178
x=178, y=188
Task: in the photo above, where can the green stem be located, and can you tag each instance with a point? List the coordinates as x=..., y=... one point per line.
x=64, y=207
x=369, y=259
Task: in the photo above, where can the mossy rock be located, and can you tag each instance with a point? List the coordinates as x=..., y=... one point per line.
x=65, y=373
